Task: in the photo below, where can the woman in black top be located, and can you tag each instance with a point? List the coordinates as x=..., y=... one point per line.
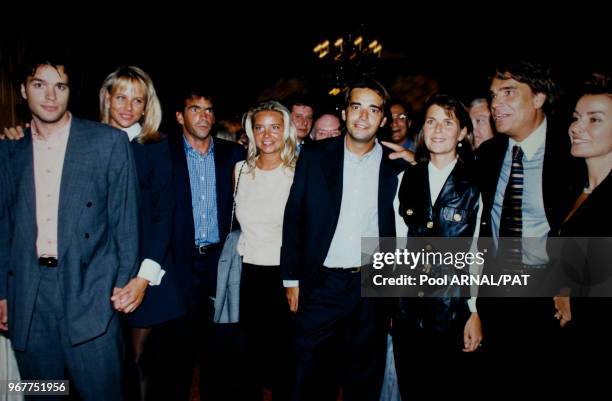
x=589, y=268
x=438, y=198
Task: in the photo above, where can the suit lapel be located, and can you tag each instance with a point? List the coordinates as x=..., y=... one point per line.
x=182, y=184
x=24, y=162
x=333, y=170
x=387, y=186
x=221, y=161
x=79, y=163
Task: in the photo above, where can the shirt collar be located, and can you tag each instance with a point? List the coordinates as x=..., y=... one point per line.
x=189, y=149
x=372, y=153
x=444, y=171
x=533, y=142
x=59, y=134
x=133, y=131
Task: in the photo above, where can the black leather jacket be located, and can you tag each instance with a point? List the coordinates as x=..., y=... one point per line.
x=454, y=214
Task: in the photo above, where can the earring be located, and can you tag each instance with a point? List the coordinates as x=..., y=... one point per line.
x=459, y=145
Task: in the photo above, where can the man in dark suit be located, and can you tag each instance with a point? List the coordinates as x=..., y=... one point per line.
x=342, y=191
x=527, y=184
x=202, y=168
x=74, y=240
x=5, y=227
x=302, y=116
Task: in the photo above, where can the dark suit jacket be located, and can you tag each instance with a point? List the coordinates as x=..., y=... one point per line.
x=227, y=154
x=589, y=264
x=313, y=209
x=97, y=230
x=559, y=176
x=162, y=302
x=5, y=223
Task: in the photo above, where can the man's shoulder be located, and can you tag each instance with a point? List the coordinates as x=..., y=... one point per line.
x=323, y=147
x=97, y=131
x=491, y=149
x=232, y=148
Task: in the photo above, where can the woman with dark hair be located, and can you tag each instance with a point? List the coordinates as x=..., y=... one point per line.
x=438, y=198
x=590, y=275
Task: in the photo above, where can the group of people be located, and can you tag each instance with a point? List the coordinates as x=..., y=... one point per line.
x=112, y=231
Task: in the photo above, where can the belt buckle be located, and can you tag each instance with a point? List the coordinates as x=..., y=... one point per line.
x=47, y=261
x=355, y=269
x=202, y=249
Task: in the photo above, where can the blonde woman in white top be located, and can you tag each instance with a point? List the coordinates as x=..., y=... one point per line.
x=264, y=181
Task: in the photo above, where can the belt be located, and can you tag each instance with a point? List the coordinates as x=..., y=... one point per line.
x=526, y=268
x=205, y=249
x=47, y=261
x=345, y=269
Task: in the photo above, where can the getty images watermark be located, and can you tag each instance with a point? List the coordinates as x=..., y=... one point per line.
x=505, y=267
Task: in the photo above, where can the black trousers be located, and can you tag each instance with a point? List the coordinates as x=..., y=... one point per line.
x=221, y=348
x=521, y=333
x=340, y=340
x=265, y=317
x=429, y=360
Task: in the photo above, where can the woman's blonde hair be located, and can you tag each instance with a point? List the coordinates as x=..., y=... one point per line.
x=151, y=119
x=289, y=146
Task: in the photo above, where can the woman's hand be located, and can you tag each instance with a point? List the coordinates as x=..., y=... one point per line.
x=128, y=298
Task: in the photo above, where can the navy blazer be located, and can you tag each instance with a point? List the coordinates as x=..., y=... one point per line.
x=97, y=230
x=5, y=223
x=313, y=209
x=226, y=155
x=162, y=302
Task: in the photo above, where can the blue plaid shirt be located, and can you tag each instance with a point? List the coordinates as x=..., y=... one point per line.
x=203, y=193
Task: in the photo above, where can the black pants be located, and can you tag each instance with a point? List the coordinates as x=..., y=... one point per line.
x=265, y=317
x=340, y=341
x=429, y=360
x=523, y=334
x=221, y=347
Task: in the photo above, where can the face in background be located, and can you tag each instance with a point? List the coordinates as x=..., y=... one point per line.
x=591, y=129
x=399, y=124
x=326, y=126
x=517, y=110
x=442, y=131
x=47, y=93
x=364, y=115
x=127, y=104
x=301, y=116
x=481, y=120
x=268, y=130
x=197, y=118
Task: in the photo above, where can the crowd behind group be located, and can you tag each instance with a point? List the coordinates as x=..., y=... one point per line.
x=122, y=266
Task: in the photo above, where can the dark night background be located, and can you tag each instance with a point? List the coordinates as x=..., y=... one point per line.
x=243, y=62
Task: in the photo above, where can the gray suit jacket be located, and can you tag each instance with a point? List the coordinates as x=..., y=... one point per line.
x=97, y=230
x=227, y=301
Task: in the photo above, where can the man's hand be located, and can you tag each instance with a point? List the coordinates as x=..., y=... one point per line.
x=564, y=310
x=399, y=152
x=3, y=315
x=293, y=294
x=128, y=298
x=13, y=133
x=472, y=333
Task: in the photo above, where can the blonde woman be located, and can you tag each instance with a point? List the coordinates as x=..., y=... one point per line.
x=264, y=180
x=128, y=101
